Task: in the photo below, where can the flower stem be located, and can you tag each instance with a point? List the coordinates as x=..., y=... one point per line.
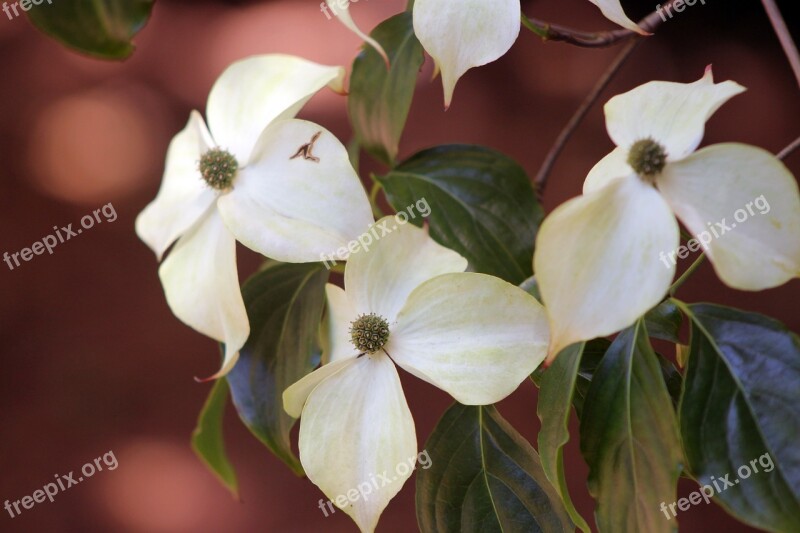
x=689, y=271
x=555, y=32
x=779, y=25
x=541, y=178
x=373, y=197
x=786, y=152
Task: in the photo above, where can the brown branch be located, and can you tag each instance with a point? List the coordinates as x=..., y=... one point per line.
x=556, y=32
x=778, y=24
x=541, y=178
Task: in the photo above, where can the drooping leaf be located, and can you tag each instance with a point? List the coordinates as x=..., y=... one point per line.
x=100, y=28
x=482, y=206
x=629, y=438
x=207, y=439
x=740, y=411
x=380, y=99
x=556, y=389
x=484, y=478
x=593, y=353
x=284, y=304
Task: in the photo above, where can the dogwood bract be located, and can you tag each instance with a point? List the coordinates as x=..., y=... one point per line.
x=407, y=302
x=463, y=34
x=281, y=186
x=597, y=256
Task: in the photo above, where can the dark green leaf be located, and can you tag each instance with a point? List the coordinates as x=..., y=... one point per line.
x=101, y=28
x=557, y=387
x=531, y=286
x=207, y=440
x=379, y=98
x=284, y=304
x=484, y=478
x=482, y=206
x=664, y=322
x=593, y=353
x=741, y=410
x=629, y=438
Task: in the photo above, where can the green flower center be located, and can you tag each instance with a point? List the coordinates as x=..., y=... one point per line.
x=369, y=333
x=647, y=158
x=218, y=168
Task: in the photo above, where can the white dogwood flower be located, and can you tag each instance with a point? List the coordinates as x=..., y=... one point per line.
x=463, y=34
x=600, y=257
x=407, y=303
x=281, y=186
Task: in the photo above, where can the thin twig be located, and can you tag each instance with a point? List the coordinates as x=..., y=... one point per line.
x=778, y=24
x=541, y=179
x=686, y=275
x=786, y=152
x=556, y=32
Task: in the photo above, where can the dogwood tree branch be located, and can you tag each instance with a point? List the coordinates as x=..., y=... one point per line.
x=778, y=24
x=555, y=32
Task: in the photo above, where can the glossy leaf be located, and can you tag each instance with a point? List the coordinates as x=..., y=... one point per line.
x=284, y=304
x=101, y=28
x=207, y=439
x=556, y=390
x=379, y=98
x=629, y=438
x=740, y=410
x=482, y=206
x=664, y=322
x=484, y=478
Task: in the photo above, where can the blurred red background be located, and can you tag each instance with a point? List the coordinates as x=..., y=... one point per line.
x=94, y=361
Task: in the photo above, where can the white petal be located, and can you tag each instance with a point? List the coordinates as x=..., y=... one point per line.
x=296, y=210
x=202, y=286
x=380, y=278
x=465, y=34
x=341, y=313
x=612, y=10
x=183, y=196
x=598, y=263
x=613, y=166
x=294, y=398
x=672, y=114
x=343, y=14
x=356, y=427
x=474, y=336
x=711, y=188
x=254, y=92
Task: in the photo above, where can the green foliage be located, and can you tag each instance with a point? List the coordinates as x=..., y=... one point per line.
x=100, y=28
x=484, y=477
x=284, y=304
x=207, y=439
x=742, y=401
x=482, y=205
x=379, y=98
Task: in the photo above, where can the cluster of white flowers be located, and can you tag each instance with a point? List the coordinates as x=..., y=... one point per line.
x=286, y=189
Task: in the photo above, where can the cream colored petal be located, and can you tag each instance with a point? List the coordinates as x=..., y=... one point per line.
x=357, y=438
x=183, y=197
x=465, y=34
x=295, y=209
x=614, y=165
x=598, y=260
x=202, y=286
x=294, y=397
x=254, y=92
x=341, y=314
x=343, y=14
x=672, y=114
x=612, y=10
x=745, y=204
x=380, y=278
x=474, y=336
